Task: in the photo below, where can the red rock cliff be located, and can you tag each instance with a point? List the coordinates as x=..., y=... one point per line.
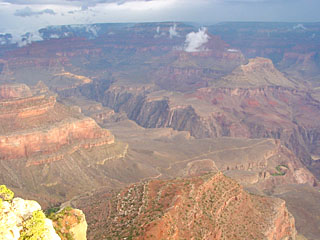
x=208, y=207
x=35, y=125
x=50, y=139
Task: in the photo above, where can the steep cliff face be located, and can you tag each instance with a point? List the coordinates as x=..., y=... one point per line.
x=156, y=112
x=200, y=207
x=49, y=151
x=84, y=133
x=20, y=106
x=270, y=110
x=229, y=107
x=283, y=224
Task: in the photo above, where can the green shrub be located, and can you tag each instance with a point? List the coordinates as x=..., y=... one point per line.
x=51, y=211
x=55, y=216
x=279, y=170
x=34, y=227
x=5, y=193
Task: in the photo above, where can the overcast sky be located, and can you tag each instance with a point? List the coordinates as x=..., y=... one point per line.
x=20, y=16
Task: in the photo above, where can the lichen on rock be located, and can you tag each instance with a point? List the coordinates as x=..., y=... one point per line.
x=23, y=220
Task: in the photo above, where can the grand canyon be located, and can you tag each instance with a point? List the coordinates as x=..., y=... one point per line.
x=155, y=136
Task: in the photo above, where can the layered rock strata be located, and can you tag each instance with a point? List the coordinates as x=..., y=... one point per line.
x=18, y=104
x=199, y=207
x=40, y=143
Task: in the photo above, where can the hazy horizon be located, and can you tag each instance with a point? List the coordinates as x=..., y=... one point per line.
x=19, y=16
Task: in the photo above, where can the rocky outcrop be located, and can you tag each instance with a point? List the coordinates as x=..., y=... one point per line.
x=79, y=230
x=283, y=223
x=70, y=224
x=258, y=72
x=15, y=213
x=199, y=207
x=24, y=219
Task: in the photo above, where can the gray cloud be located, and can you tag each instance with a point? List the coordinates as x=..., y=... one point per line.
x=31, y=2
x=82, y=4
x=247, y=2
x=252, y=1
x=27, y=12
x=14, y=12
x=70, y=2
x=94, y=2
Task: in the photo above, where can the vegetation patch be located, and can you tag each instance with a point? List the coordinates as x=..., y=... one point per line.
x=280, y=171
x=34, y=227
x=63, y=221
x=50, y=211
x=5, y=193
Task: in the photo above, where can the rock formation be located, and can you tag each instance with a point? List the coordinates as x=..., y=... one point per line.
x=18, y=218
x=259, y=72
x=70, y=224
x=24, y=219
x=208, y=207
x=47, y=137
x=37, y=133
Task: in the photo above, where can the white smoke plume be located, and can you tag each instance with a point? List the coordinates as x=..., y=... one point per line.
x=93, y=30
x=159, y=33
x=173, y=31
x=299, y=27
x=54, y=36
x=24, y=39
x=195, y=40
